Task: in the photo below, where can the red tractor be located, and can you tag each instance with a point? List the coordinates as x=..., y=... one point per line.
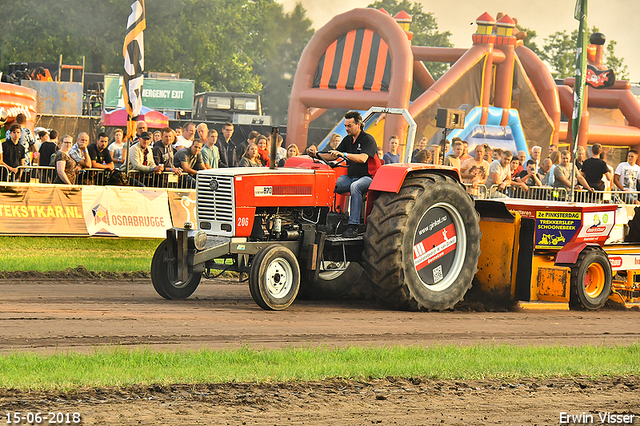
x=281, y=227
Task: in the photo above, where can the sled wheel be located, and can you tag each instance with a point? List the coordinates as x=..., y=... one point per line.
x=274, y=278
x=172, y=290
x=591, y=279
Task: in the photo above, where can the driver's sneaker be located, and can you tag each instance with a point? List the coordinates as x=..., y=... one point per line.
x=351, y=231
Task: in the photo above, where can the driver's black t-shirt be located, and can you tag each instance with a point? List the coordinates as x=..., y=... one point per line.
x=365, y=143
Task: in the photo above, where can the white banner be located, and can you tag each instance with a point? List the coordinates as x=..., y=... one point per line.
x=126, y=212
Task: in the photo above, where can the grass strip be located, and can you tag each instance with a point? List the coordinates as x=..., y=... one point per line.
x=44, y=254
x=120, y=367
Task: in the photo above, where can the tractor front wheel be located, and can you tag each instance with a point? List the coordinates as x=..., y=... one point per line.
x=274, y=278
x=165, y=287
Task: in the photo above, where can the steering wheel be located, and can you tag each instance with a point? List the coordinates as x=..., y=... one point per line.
x=339, y=162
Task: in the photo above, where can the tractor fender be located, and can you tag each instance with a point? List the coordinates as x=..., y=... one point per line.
x=568, y=255
x=389, y=178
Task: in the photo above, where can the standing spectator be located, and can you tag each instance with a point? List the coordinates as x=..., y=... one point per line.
x=65, y=165
x=422, y=144
x=497, y=153
x=263, y=150
x=140, y=159
x=488, y=153
x=311, y=150
x=210, y=152
x=242, y=146
x=453, y=159
x=26, y=139
x=334, y=141
x=292, y=151
x=190, y=161
x=163, y=151
x=522, y=159
x=178, y=131
x=118, y=153
x=202, y=132
x=555, y=160
x=607, y=182
x=475, y=169
x=157, y=136
x=79, y=152
x=545, y=173
x=581, y=155
x=13, y=153
x=99, y=154
x=595, y=168
x=392, y=155
x=536, y=153
x=141, y=127
x=499, y=173
x=465, y=152
x=423, y=157
x=529, y=176
x=563, y=171
x=553, y=148
x=186, y=139
x=227, y=147
x=251, y=157
x=626, y=176
x=280, y=151
x=47, y=147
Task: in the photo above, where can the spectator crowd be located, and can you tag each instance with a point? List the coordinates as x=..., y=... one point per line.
x=176, y=155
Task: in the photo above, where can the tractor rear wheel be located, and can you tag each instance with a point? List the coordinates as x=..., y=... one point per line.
x=274, y=278
x=591, y=279
x=422, y=244
x=172, y=290
x=332, y=285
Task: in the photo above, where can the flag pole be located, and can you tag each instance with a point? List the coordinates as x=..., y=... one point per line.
x=133, y=53
x=579, y=86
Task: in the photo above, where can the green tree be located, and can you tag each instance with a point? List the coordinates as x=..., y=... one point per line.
x=560, y=53
x=529, y=40
x=227, y=45
x=424, y=26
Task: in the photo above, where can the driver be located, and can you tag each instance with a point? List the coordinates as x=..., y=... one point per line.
x=358, y=147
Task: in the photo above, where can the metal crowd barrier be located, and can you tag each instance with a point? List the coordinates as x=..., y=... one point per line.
x=161, y=180
x=546, y=193
x=478, y=192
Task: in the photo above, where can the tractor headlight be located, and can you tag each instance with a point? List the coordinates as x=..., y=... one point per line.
x=197, y=239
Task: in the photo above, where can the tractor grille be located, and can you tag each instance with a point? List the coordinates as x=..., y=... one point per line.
x=215, y=206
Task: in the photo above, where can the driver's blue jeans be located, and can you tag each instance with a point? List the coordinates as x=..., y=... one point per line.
x=357, y=187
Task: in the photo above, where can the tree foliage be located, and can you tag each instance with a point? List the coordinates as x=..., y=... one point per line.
x=229, y=45
x=424, y=26
x=559, y=52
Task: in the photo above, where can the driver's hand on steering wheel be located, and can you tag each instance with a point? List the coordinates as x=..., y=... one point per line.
x=336, y=154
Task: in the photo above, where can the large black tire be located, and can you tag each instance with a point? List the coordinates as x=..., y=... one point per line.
x=422, y=244
x=332, y=285
x=274, y=278
x=591, y=279
x=172, y=290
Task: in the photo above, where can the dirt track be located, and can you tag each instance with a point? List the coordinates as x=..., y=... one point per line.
x=76, y=315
